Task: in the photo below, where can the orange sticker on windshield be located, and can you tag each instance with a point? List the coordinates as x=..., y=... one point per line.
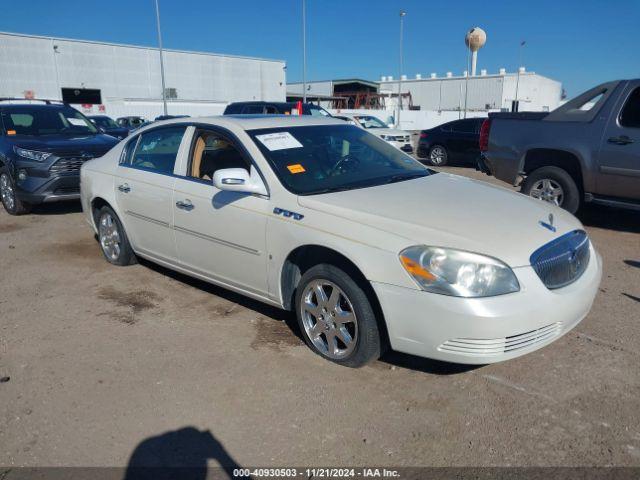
x=297, y=168
x=11, y=132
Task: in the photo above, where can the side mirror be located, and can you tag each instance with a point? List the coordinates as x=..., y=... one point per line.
x=239, y=180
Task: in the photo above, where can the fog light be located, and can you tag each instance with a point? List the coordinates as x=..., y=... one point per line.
x=22, y=175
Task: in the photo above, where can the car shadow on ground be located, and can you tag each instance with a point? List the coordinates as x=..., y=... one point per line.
x=610, y=218
x=391, y=358
x=57, y=208
x=182, y=454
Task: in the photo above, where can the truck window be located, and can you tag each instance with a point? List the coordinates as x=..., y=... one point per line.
x=630, y=115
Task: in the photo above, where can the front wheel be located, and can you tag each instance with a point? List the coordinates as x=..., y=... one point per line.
x=11, y=203
x=336, y=318
x=553, y=185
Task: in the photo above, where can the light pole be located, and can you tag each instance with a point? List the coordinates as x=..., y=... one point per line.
x=164, y=97
x=522, y=43
x=402, y=14
x=304, y=52
x=466, y=81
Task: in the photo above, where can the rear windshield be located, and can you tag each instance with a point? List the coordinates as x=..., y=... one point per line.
x=35, y=121
x=328, y=158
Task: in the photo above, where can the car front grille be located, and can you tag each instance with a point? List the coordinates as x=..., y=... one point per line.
x=403, y=138
x=497, y=346
x=562, y=261
x=70, y=162
x=66, y=190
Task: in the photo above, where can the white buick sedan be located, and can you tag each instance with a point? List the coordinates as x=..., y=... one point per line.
x=368, y=247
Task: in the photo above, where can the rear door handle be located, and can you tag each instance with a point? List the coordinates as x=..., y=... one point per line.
x=621, y=140
x=185, y=205
x=124, y=188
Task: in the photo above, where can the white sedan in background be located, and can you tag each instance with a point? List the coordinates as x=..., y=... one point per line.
x=325, y=219
x=398, y=138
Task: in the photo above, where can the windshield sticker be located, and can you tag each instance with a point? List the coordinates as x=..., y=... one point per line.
x=279, y=141
x=297, y=168
x=76, y=122
x=11, y=132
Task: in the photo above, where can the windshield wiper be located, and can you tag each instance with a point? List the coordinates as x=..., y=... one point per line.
x=405, y=176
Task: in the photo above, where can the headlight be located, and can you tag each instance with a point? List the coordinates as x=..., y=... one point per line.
x=458, y=273
x=32, y=154
x=388, y=138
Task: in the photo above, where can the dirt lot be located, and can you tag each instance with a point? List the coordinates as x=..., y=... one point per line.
x=102, y=358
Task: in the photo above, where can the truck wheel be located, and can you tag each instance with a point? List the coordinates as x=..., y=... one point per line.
x=336, y=318
x=12, y=204
x=553, y=185
x=438, y=156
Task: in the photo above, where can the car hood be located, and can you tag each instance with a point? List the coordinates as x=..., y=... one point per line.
x=387, y=131
x=117, y=131
x=67, y=143
x=451, y=211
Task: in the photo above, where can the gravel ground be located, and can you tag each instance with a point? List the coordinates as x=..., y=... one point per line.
x=103, y=361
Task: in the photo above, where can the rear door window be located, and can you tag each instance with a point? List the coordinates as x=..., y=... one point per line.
x=157, y=150
x=465, y=126
x=630, y=115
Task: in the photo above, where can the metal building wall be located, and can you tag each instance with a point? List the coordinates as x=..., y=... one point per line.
x=126, y=73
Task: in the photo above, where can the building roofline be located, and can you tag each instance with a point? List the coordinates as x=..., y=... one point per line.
x=142, y=47
x=339, y=81
x=462, y=77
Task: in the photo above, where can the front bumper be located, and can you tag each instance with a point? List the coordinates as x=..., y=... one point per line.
x=486, y=330
x=35, y=190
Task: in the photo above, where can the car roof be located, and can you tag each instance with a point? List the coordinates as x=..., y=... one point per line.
x=33, y=106
x=255, y=122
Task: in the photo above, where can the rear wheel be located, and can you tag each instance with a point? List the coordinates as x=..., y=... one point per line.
x=553, y=185
x=336, y=318
x=113, y=239
x=438, y=156
x=12, y=204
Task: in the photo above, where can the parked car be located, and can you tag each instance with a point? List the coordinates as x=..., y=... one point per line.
x=398, y=138
x=274, y=108
x=169, y=117
x=131, y=123
x=42, y=146
x=109, y=126
x=455, y=141
x=323, y=218
x=587, y=150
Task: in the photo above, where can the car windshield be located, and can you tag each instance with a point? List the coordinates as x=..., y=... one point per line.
x=105, y=122
x=371, y=122
x=328, y=158
x=41, y=120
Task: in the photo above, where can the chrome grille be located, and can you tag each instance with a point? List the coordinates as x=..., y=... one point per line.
x=68, y=164
x=497, y=346
x=562, y=261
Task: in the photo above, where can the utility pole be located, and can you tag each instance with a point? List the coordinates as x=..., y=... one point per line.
x=304, y=52
x=402, y=14
x=164, y=92
x=466, y=82
x=522, y=43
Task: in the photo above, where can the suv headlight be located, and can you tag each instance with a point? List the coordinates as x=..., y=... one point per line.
x=32, y=154
x=458, y=273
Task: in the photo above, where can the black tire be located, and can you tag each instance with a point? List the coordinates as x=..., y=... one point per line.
x=125, y=255
x=14, y=206
x=368, y=345
x=443, y=157
x=570, y=200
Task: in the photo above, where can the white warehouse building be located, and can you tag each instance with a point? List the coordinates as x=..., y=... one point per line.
x=486, y=92
x=120, y=80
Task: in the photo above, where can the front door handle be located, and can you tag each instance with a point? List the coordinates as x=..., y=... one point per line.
x=621, y=140
x=124, y=188
x=185, y=205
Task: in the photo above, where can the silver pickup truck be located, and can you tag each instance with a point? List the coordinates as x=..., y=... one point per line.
x=587, y=150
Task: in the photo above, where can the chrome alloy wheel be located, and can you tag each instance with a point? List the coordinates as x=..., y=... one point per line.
x=109, y=236
x=547, y=190
x=6, y=190
x=329, y=319
x=437, y=155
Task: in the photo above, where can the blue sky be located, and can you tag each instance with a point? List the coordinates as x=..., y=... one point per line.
x=579, y=42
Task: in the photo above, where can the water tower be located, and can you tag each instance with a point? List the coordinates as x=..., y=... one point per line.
x=475, y=40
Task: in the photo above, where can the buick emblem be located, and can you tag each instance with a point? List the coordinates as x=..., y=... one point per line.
x=548, y=225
